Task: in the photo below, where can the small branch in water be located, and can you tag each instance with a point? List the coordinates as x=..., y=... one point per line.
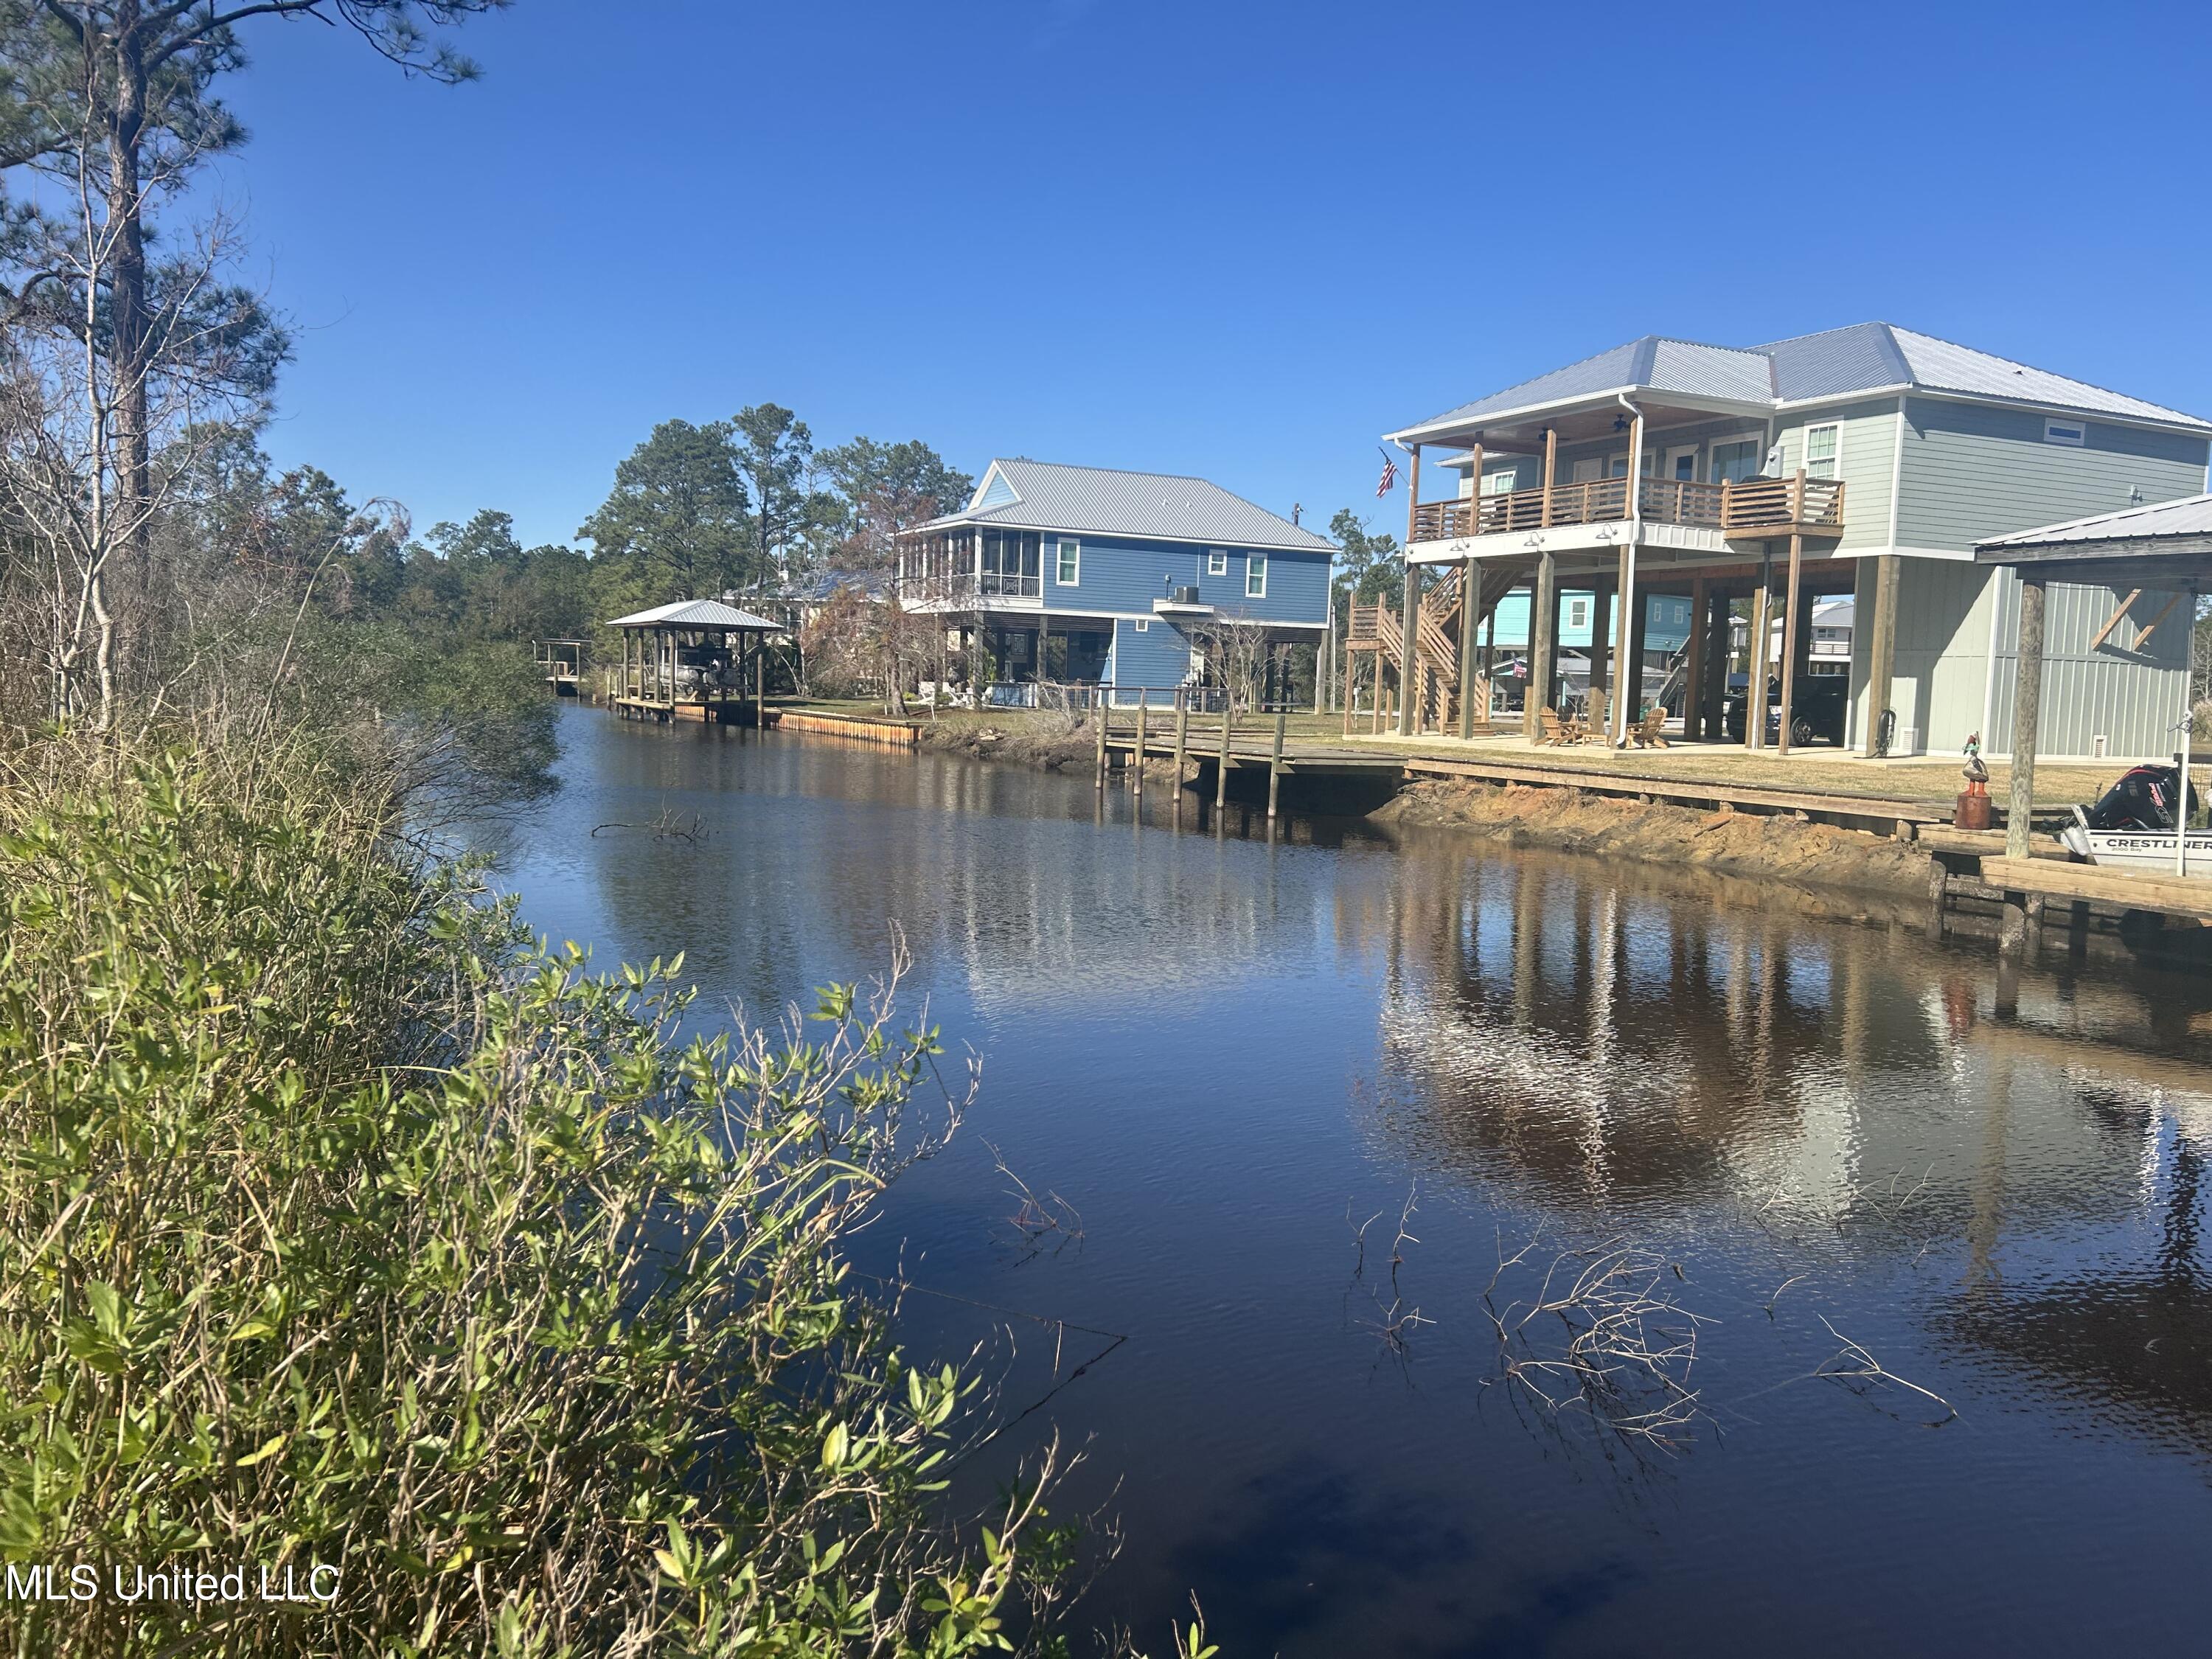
x=667, y=826
x=1779, y=1289
x=1037, y=1219
x=1397, y=1323
x=1860, y=1371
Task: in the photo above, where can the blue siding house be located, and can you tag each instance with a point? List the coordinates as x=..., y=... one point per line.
x=1133, y=580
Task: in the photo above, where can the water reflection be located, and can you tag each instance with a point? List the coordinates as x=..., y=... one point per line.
x=1633, y=1046
x=1215, y=1042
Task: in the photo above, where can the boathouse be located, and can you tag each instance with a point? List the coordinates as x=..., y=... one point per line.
x=1757, y=484
x=693, y=659
x=1087, y=577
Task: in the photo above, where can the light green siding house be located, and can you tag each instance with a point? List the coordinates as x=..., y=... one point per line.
x=1935, y=447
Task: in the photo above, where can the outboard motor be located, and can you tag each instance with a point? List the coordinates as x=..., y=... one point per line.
x=2143, y=798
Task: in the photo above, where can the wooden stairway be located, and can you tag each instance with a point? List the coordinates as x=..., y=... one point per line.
x=1433, y=680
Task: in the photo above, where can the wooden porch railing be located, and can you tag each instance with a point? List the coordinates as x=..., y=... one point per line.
x=1593, y=501
x=1777, y=504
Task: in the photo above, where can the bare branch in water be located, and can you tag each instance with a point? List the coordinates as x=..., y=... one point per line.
x=665, y=825
x=1601, y=1331
x=1035, y=1219
x=1859, y=1371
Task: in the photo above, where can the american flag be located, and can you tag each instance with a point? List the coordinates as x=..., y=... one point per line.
x=1390, y=475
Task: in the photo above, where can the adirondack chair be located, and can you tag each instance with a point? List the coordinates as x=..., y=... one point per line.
x=1559, y=733
x=1647, y=730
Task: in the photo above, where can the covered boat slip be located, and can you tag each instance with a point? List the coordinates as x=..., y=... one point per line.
x=2162, y=548
x=693, y=659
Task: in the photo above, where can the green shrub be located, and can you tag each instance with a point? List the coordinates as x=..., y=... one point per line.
x=337, y=1227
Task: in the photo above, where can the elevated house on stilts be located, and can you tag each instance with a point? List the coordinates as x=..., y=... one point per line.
x=1865, y=462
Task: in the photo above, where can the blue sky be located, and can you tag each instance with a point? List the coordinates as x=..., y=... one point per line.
x=1237, y=240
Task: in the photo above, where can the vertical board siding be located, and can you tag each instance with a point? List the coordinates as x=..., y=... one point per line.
x=2130, y=698
x=1941, y=673
x=1866, y=460
x=1972, y=471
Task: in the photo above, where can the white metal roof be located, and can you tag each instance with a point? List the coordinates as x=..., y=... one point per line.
x=1864, y=357
x=2190, y=516
x=696, y=613
x=1099, y=501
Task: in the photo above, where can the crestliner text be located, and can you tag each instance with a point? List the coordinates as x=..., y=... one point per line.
x=310, y=1582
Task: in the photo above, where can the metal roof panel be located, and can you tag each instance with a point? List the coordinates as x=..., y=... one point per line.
x=696, y=613
x=1157, y=505
x=2190, y=515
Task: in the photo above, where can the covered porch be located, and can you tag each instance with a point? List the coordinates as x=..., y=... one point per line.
x=1621, y=499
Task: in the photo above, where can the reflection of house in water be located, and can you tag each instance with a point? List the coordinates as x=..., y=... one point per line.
x=1638, y=1044
x=998, y=878
x=2125, y=1336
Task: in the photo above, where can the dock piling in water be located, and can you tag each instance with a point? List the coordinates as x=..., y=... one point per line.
x=1275, y=764
x=1221, y=767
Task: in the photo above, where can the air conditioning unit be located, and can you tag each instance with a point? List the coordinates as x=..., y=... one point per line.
x=1907, y=741
x=1184, y=595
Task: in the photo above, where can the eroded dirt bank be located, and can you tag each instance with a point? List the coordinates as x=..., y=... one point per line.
x=1730, y=843
x=1049, y=747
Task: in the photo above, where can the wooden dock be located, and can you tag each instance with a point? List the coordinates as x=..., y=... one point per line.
x=721, y=711
x=1251, y=745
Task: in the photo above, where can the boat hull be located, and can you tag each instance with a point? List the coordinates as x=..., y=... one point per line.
x=2150, y=851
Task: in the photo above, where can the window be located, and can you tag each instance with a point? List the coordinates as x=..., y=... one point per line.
x=1216, y=560
x=2072, y=433
x=1820, y=450
x=1588, y=470
x=1578, y=613
x=1735, y=462
x=1011, y=563
x=1497, y=483
x=1069, y=570
x=1144, y=624
x=1255, y=575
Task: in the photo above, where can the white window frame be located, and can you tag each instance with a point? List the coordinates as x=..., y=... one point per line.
x=1067, y=555
x=1674, y=452
x=1143, y=625
x=1578, y=613
x=1835, y=460
x=1216, y=560
x=1255, y=564
x=1499, y=483
x=2077, y=433
x=1757, y=440
x=1590, y=468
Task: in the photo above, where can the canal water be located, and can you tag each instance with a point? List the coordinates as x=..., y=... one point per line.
x=1903, y=1311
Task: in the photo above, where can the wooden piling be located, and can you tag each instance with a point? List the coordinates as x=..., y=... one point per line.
x=1275, y=764
x=1221, y=766
x=1102, y=736
x=1182, y=738
x=1137, y=758
x=2026, y=720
